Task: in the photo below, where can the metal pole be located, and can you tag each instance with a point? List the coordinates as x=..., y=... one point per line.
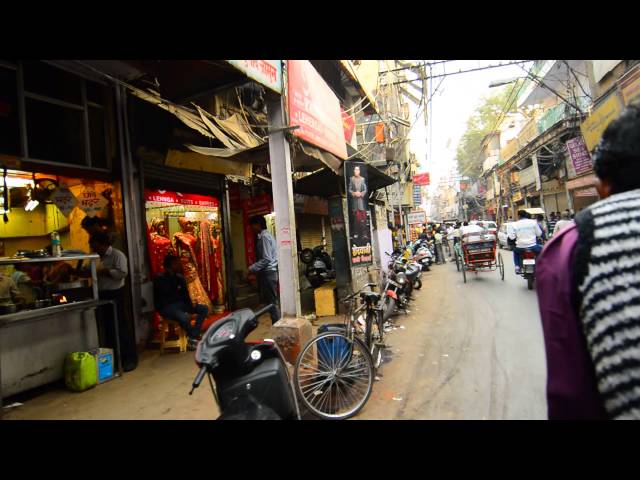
x=282, y=188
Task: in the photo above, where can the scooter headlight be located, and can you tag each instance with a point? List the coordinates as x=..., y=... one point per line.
x=401, y=278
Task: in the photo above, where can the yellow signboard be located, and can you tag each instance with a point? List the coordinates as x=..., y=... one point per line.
x=594, y=126
x=517, y=196
x=630, y=86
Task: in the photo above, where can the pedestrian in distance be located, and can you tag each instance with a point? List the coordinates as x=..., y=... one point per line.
x=565, y=221
x=589, y=290
x=266, y=266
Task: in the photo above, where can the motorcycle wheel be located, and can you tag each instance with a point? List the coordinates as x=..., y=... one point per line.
x=306, y=255
x=389, y=309
x=315, y=281
x=418, y=284
x=530, y=283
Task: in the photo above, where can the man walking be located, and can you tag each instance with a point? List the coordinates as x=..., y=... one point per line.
x=565, y=221
x=589, y=290
x=266, y=267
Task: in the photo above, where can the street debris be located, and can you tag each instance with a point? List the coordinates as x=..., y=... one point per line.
x=378, y=378
x=445, y=355
x=397, y=399
x=403, y=327
x=13, y=405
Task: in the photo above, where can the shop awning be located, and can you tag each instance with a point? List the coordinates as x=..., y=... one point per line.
x=326, y=183
x=310, y=158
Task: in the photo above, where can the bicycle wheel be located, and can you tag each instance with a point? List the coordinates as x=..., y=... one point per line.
x=464, y=272
x=373, y=338
x=501, y=266
x=334, y=376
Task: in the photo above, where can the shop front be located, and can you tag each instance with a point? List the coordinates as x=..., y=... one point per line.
x=47, y=305
x=583, y=191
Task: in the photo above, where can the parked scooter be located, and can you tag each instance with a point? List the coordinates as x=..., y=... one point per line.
x=248, y=381
x=319, y=265
x=423, y=255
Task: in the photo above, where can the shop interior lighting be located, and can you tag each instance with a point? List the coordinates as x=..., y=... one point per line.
x=18, y=182
x=31, y=205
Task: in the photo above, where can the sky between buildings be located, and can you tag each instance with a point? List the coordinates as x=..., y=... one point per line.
x=454, y=101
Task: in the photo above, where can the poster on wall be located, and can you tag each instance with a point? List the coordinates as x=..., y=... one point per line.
x=91, y=202
x=357, y=188
x=64, y=199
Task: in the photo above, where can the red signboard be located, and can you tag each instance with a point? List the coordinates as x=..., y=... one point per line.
x=187, y=199
x=349, y=125
x=421, y=179
x=315, y=109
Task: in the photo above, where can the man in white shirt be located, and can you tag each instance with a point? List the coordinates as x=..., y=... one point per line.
x=565, y=221
x=473, y=228
x=525, y=232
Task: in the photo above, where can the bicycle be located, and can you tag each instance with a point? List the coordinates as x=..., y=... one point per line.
x=335, y=371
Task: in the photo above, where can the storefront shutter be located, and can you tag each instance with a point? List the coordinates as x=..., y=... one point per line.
x=310, y=231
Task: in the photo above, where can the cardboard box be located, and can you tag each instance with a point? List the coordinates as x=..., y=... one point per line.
x=104, y=363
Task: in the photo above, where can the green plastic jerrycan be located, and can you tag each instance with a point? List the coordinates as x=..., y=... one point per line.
x=80, y=371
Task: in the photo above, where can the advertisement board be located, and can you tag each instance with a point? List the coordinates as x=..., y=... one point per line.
x=579, y=155
x=630, y=86
x=315, y=109
x=265, y=72
x=416, y=217
x=421, y=179
x=594, y=126
x=357, y=188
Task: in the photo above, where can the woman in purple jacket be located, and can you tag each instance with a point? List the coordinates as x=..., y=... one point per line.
x=588, y=279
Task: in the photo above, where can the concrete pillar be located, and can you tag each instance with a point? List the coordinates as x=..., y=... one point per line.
x=282, y=188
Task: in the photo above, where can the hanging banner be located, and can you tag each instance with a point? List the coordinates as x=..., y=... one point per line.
x=265, y=72
x=91, y=202
x=349, y=126
x=315, y=109
x=356, y=186
x=64, y=199
x=417, y=195
x=421, y=179
x=580, y=157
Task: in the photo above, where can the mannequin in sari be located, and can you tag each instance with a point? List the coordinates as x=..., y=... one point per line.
x=208, y=269
x=160, y=245
x=186, y=243
x=217, y=245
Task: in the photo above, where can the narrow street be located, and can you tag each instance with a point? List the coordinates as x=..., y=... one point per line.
x=467, y=351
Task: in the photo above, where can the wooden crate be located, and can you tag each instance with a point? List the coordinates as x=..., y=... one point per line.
x=326, y=300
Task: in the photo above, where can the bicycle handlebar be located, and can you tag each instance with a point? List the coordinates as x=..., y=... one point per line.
x=263, y=310
x=353, y=295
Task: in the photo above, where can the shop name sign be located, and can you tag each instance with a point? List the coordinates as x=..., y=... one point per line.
x=90, y=202
x=265, y=72
x=630, y=86
x=177, y=198
x=421, y=179
x=315, y=109
x=417, y=217
x=594, y=126
x=580, y=157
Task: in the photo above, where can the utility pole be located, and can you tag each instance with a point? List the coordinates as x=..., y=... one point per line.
x=282, y=188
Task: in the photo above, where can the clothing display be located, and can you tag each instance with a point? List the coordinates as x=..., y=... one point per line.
x=208, y=269
x=186, y=243
x=160, y=245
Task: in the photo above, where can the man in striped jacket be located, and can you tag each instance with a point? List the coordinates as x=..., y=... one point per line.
x=588, y=280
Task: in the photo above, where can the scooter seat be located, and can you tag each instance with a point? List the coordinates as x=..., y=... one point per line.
x=370, y=297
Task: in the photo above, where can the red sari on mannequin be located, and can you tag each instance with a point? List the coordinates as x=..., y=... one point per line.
x=208, y=268
x=186, y=245
x=160, y=246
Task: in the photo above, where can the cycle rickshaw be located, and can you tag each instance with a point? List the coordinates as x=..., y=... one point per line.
x=476, y=253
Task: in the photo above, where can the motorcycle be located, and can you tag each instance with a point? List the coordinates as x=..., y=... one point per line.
x=249, y=381
x=319, y=265
x=394, y=296
x=528, y=267
x=423, y=256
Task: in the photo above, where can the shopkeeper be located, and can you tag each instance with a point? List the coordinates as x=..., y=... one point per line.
x=9, y=293
x=112, y=271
